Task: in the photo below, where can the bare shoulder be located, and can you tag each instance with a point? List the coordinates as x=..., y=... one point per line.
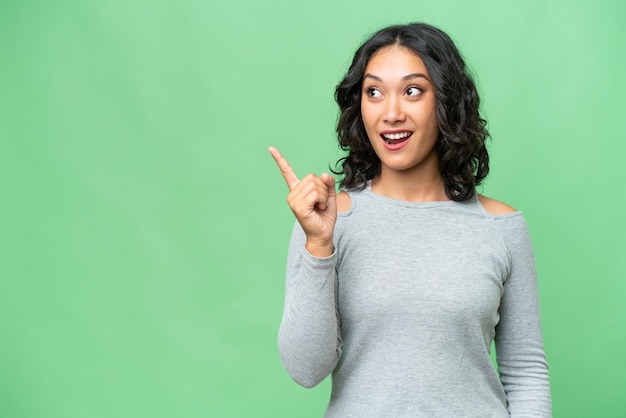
x=343, y=202
x=495, y=207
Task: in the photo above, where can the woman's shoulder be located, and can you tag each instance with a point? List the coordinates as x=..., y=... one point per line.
x=509, y=221
x=495, y=207
x=344, y=202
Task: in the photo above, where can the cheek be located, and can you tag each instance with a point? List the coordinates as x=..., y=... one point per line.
x=367, y=117
x=429, y=119
x=435, y=124
x=434, y=117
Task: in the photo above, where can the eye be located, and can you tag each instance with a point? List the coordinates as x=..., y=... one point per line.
x=414, y=91
x=373, y=92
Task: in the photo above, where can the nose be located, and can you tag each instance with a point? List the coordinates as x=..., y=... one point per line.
x=394, y=113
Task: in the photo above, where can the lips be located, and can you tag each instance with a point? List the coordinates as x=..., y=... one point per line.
x=394, y=140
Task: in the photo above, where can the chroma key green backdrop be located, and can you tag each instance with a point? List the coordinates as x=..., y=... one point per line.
x=143, y=225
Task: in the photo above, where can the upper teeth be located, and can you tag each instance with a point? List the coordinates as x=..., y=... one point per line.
x=397, y=135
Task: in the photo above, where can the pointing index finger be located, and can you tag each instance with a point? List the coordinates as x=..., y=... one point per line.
x=285, y=168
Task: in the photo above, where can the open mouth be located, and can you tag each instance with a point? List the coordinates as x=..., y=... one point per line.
x=396, y=137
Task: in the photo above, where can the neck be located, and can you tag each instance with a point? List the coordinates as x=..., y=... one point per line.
x=410, y=185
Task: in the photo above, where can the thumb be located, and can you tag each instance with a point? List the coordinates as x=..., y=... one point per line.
x=332, y=193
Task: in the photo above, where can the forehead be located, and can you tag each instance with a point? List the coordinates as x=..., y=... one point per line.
x=394, y=61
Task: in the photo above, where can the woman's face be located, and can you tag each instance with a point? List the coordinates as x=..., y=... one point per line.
x=398, y=110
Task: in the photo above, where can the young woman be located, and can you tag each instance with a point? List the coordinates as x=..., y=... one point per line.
x=398, y=284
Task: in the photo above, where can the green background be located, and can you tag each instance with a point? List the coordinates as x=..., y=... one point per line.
x=143, y=225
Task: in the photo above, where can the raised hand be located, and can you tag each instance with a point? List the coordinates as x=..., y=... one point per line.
x=313, y=201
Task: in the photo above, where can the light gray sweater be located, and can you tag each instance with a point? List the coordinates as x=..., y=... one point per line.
x=404, y=312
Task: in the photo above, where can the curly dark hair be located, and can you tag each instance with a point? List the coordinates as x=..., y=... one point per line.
x=463, y=157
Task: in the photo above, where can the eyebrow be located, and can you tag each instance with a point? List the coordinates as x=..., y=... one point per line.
x=406, y=77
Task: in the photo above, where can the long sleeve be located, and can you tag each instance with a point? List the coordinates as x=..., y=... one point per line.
x=308, y=339
x=519, y=344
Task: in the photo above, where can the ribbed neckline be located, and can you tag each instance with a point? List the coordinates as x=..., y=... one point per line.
x=430, y=204
x=472, y=204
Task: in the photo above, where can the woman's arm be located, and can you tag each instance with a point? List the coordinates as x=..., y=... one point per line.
x=308, y=340
x=519, y=344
